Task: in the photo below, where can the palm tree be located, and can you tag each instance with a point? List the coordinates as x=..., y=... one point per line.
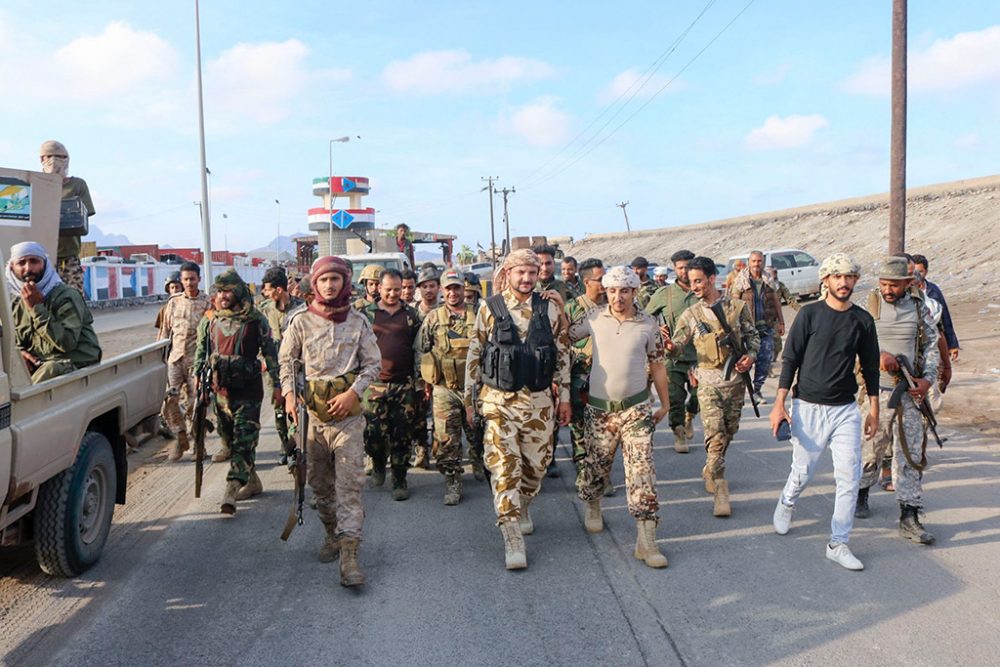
x=465, y=255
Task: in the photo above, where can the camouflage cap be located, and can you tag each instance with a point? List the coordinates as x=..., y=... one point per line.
x=229, y=280
x=620, y=276
x=452, y=278
x=427, y=275
x=840, y=264
x=894, y=268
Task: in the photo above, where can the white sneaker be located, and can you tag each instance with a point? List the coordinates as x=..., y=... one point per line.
x=782, y=518
x=841, y=555
x=760, y=399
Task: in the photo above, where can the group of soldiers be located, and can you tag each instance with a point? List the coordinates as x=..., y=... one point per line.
x=507, y=371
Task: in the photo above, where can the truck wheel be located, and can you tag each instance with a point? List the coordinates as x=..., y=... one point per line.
x=74, y=510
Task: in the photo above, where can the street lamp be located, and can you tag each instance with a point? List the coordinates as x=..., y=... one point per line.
x=329, y=183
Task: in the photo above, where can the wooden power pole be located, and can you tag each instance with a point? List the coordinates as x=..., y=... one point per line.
x=622, y=206
x=897, y=156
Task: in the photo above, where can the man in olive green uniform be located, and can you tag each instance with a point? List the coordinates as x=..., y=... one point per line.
x=229, y=343
x=647, y=286
x=720, y=400
x=53, y=327
x=55, y=160
x=667, y=305
x=444, y=340
x=581, y=354
x=369, y=285
x=275, y=308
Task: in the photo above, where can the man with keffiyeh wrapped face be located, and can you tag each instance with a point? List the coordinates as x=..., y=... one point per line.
x=54, y=327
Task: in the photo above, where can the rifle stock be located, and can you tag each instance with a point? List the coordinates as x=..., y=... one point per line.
x=200, y=417
x=299, y=465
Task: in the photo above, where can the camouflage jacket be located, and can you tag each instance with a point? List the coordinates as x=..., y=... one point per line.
x=277, y=318
x=565, y=290
x=445, y=344
x=668, y=304
x=699, y=325
x=60, y=327
x=180, y=324
x=582, y=351
x=646, y=291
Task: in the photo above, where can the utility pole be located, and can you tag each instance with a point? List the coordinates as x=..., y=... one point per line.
x=206, y=221
x=622, y=206
x=506, y=220
x=493, y=240
x=277, y=240
x=897, y=156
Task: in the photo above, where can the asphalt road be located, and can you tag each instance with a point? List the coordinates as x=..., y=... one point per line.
x=181, y=584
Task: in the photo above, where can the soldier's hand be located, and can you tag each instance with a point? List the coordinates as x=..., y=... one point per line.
x=30, y=359
x=921, y=389
x=553, y=296
x=665, y=334
x=342, y=404
x=744, y=364
x=660, y=414
x=564, y=413
x=778, y=415
x=30, y=294
x=276, y=396
x=781, y=328
x=871, y=425
x=888, y=363
x=954, y=353
x=290, y=407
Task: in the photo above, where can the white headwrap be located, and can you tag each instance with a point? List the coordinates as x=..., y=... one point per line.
x=31, y=249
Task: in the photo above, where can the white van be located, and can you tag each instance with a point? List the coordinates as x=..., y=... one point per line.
x=796, y=268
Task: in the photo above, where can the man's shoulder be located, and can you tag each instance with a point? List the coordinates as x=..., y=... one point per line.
x=75, y=185
x=63, y=292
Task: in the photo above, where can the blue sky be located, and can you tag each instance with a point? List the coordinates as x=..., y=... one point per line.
x=789, y=106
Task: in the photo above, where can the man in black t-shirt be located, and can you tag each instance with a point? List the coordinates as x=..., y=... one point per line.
x=825, y=340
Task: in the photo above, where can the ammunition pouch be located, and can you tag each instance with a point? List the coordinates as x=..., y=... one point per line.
x=318, y=392
x=235, y=371
x=710, y=353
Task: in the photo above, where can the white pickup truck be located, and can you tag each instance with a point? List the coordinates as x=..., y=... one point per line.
x=62, y=441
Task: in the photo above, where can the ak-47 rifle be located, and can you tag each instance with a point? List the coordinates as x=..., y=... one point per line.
x=909, y=382
x=737, y=348
x=200, y=424
x=299, y=456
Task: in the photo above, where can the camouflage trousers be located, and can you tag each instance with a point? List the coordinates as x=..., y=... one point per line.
x=239, y=427
x=721, y=406
x=418, y=429
x=518, y=433
x=71, y=272
x=577, y=423
x=280, y=418
x=906, y=479
x=679, y=386
x=632, y=429
x=389, y=419
x=180, y=379
x=449, y=423
x=336, y=474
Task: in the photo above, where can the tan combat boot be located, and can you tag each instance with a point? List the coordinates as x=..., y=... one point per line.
x=646, y=548
x=721, y=508
x=593, y=522
x=229, y=498
x=178, y=447
x=515, y=557
x=689, y=425
x=526, y=524
x=452, y=489
x=252, y=488
x=330, y=551
x=350, y=573
x=709, y=482
x=222, y=455
x=680, y=440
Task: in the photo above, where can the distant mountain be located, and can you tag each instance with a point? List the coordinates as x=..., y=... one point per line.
x=103, y=239
x=286, y=245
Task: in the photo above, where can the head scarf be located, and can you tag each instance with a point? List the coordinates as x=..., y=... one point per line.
x=839, y=264
x=524, y=257
x=336, y=309
x=620, y=276
x=31, y=249
x=231, y=281
x=52, y=164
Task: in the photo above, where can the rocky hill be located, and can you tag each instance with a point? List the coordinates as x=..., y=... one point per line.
x=954, y=224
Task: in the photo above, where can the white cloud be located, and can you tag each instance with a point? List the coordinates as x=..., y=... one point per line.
x=539, y=123
x=788, y=132
x=772, y=77
x=435, y=72
x=629, y=81
x=263, y=82
x=968, y=58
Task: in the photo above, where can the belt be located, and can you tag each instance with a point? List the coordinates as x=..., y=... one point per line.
x=618, y=406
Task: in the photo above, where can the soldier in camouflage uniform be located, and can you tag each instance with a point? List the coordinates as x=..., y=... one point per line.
x=571, y=275
x=626, y=341
x=275, y=308
x=647, y=286
x=721, y=401
x=444, y=341
x=429, y=287
x=668, y=304
x=369, y=280
x=179, y=325
x=905, y=327
x=229, y=344
x=473, y=297
x=391, y=401
x=341, y=359
x=518, y=422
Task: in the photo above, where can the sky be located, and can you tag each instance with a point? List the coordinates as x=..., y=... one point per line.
x=689, y=110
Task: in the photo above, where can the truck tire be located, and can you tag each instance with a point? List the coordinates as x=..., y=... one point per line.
x=74, y=510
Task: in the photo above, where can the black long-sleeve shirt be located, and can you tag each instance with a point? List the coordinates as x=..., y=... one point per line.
x=822, y=347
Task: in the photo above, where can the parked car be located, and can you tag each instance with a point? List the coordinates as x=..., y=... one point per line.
x=796, y=268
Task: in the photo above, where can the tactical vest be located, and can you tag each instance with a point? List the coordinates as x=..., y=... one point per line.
x=706, y=342
x=508, y=364
x=874, y=308
x=233, y=357
x=445, y=363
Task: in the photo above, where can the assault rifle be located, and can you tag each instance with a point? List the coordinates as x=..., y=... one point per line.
x=201, y=422
x=737, y=348
x=299, y=465
x=909, y=382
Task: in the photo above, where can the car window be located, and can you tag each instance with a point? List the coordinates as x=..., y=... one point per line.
x=782, y=261
x=803, y=259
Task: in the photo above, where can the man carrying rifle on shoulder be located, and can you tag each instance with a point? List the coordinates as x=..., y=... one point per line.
x=723, y=345
x=341, y=358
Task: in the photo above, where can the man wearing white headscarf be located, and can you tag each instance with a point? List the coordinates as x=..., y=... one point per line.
x=53, y=326
x=55, y=160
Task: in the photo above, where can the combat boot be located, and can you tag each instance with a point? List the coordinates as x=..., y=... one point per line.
x=452, y=489
x=593, y=522
x=378, y=477
x=178, y=447
x=350, y=573
x=229, y=498
x=609, y=489
x=646, y=548
x=861, y=510
x=721, y=508
x=709, y=482
x=330, y=551
x=252, y=488
x=515, y=557
x=910, y=527
x=680, y=440
x=399, y=490
x=223, y=454
x=478, y=471
x=526, y=524
x=689, y=425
